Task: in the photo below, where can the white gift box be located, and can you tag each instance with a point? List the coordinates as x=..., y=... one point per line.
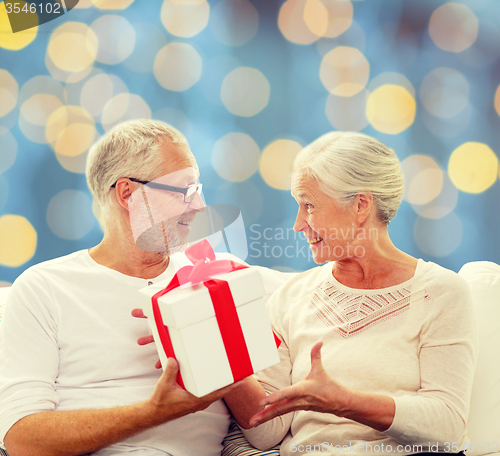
x=189, y=314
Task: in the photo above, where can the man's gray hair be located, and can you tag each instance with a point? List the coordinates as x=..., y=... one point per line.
x=131, y=149
x=348, y=163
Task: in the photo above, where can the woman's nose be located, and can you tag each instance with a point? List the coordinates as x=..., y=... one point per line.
x=300, y=224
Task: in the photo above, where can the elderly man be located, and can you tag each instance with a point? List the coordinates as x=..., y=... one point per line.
x=73, y=379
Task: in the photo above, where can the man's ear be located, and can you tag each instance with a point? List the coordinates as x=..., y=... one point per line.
x=364, y=206
x=123, y=191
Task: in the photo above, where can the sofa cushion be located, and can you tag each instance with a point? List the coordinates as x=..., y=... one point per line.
x=483, y=426
x=4, y=292
x=235, y=444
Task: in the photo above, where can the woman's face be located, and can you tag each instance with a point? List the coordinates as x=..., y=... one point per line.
x=328, y=227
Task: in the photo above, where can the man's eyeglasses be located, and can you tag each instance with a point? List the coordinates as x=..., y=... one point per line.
x=189, y=192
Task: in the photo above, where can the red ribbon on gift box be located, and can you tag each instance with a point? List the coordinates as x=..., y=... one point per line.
x=205, y=266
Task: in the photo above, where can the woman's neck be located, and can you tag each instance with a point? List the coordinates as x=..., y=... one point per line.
x=382, y=265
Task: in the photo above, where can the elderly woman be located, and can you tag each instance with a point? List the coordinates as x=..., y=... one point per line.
x=393, y=337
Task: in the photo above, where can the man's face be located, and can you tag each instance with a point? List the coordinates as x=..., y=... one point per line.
x=160, y=218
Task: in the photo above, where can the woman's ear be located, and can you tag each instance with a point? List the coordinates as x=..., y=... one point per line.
x=123, y=192
x=363, y=205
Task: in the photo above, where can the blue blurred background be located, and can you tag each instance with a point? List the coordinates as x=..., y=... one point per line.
x=249, y=83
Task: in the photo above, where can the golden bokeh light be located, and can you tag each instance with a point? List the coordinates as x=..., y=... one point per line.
x=177, y=66
x=292, y=25
x=9, y=90
x=72, y=77
x=344, y=71
x=112, y=4
x=42, y=85
x=391, y=109
x=497, y=100
x=34, y=115
x=75, y=139
x=38, y=99
x=124, y=107
x=316, y=17
x=75, y=164
x=443, y=204
x=37, y=109
x=73, y=47
x=444, y=92
x=84, y=4
x=276, y=163
x=236, y=157
x=340, y=14
x=185, y=18
x=423, y=179
x=18, y=40
x=347, y=113
x=66, y=76
x=391, y=78
x=116, y=38
x=245, y=91
x=18, y=240
x=453, y=27
x=70, y=130
x=473, y=167
x=425, y=186
x=98, y=90
x=305, y=21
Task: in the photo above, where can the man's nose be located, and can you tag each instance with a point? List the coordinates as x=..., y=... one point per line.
x=197, y=204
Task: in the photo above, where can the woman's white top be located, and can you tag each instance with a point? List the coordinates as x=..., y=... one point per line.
x=415, y=342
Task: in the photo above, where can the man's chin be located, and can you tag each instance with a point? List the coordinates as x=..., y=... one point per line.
x=163, y=241
x=183, y=231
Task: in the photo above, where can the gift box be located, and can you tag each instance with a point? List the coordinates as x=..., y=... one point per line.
x=216, y=326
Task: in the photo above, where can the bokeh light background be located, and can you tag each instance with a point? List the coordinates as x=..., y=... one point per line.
x=250, y=83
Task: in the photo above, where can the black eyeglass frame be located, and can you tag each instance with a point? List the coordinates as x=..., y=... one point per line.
x=184, y=190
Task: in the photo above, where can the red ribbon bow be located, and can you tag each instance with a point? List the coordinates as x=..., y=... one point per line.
x=205, y=266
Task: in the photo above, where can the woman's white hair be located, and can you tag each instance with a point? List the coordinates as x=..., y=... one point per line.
x=348, y=163
x=131, y=149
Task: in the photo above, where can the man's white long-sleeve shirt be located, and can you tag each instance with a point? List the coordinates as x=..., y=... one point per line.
x=68, y=342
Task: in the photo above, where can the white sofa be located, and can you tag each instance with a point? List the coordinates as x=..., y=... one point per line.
x=483, y=425
x=484, y=418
